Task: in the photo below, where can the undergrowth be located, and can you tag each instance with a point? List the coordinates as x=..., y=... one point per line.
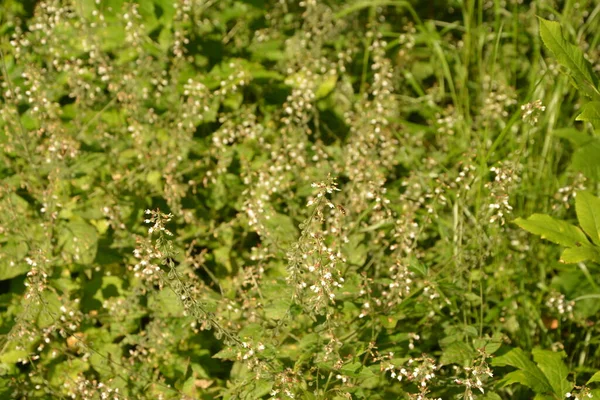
x=308, y=199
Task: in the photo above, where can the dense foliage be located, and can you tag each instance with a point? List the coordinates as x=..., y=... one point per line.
x=317, y=199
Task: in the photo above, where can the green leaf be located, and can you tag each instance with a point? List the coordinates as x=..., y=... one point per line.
x=356, y=250
x=13, y=356
x=12, y=261
x=356, y=370
x=326, y=86
x=587, y=207
x=569, y=56
x=528, y=374
x=574, y=255
x=457, y=353
x=78, y=241
x=575, y=136
x=277, y=308
x=260, y=389
x=489, y=345
x=587, y=159
x=540, y=396
x=556, y=231
x=102, y=357
x=490, y=396
x=554, y=369
x=165, y=303
x=594, y=378
x=590, y=112
x=228, y=353
x=281, y=229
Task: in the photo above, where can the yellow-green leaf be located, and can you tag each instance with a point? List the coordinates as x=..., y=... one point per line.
x=554, y=230
x=574, y=255
x=587, y=207
x=590, y=112
x=569, y=56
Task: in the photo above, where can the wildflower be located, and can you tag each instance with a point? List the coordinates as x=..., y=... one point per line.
x=532, y=111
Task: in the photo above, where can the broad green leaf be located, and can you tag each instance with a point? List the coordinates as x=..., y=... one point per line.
x=590, y=112
x=282, y=229
x=570, y=56
x=259, y=389
x=587, y=207
x=573, y=255
x=66, y=372
x=556, y=231
x=78, y=241
x=154, y=178
x=165, y=303
x=356, y=370
x=523, y=378
x=457, y=353
x=12, y=259
x=528, y=373
x=326, y=86
x=277, y=308
x=540, y=396
x=489, y=345
x=554, y=368
x=490, y=396
x=355, y=249
x=102, y=357
x=594, y=378
x=586, y=159
x=228, y=353
x=223, y=257
x=575, y=136
x=13, y=356
x=48, y=309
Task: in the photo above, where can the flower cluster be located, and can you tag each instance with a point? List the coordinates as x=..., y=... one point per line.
x=557, y=303
x=532, y=111
x=505, y=178
x=315, y=259
x=420, y=370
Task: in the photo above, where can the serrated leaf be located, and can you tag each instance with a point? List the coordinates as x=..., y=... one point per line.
x=554, y=369
x=587, y=207
x=528, y=373
x=590, y=112
x=456, y=353
x=569, y=56
x=556, y=231
x=489, y=345
x=574, y=255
